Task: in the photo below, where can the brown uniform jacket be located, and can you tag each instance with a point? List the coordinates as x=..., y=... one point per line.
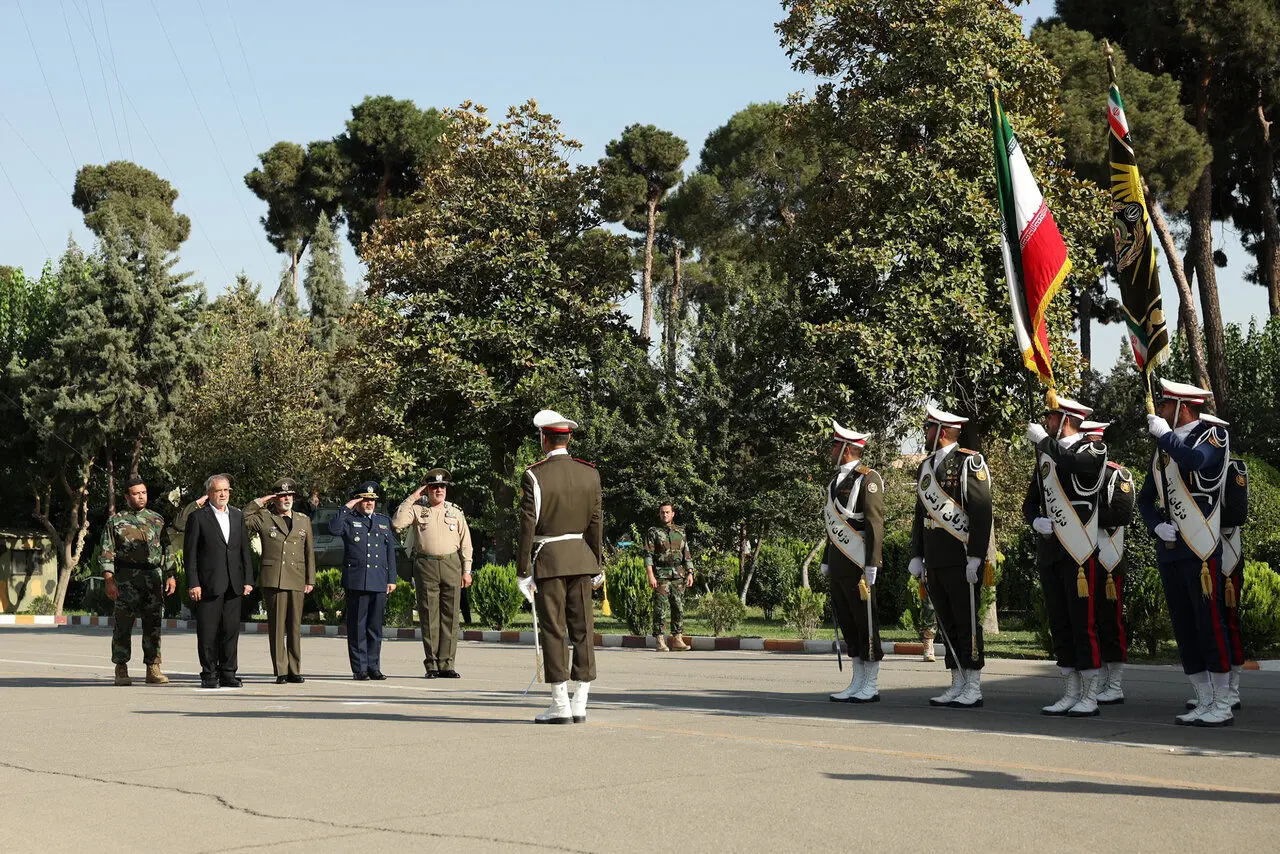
x=561, y=495
x=868, y=518
x=437, y=531
x=288, y=556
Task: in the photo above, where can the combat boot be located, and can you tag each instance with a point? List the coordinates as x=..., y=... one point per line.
x=1233, y=688
x=578, y=704
x=855, y=684
x=1072, y=688
x=661, y=643
x=971, y=693
x=1087, y=705
x=928, y=648
x=559, y=712
x=154, y=676
x=677, y=642
x=1219, y=711
x=870, y=690
x=1112, y=693
x=957, y=686
x=1204, y=701
x=122, y=674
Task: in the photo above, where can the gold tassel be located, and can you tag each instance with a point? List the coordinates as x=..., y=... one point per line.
x=1206, y=581
x=1230, y=593
x=989, y=575
x=1111, y=588
x=863, y=592
x=920, y=584
x=605, y=610
x=1082, y=584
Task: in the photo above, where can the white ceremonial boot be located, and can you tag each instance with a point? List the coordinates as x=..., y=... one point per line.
x=1219, y=713
x=1072, y=688
x=578, y=706
x=1204, y=699
x=957, y=685
x=971, y=696
x=1233, y=688
x=855, y=683
x=1112, y=693
x=869, y=692
x=1087, y=705
x=558, y=712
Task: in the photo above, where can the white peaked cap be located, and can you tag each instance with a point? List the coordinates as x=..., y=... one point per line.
x=1071, y=407
x=553, y=422
x=1094, y=428
x=1214, y=420
x=1184, y=392
x=946, y=419
x=844, y=434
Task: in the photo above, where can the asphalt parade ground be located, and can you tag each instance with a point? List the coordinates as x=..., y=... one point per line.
x=686, y=752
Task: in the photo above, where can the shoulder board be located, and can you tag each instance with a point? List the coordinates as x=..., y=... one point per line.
x=862, y=468
x=538, y=463
x=1112, y=464
x=679, y=528
x=451, y=506
x=1095, y=448
x=967, y=451
x=584, y=462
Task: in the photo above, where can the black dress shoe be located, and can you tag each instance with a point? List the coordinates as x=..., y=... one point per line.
x=376, y=674
x=450, y=674
x=208, y=682
x=280, y=680
x=294, y=677
x=431, y=674
x=360, y=677
x=230, y=681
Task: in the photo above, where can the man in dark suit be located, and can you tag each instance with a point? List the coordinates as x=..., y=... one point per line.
x=219, y=571
x=368, y=576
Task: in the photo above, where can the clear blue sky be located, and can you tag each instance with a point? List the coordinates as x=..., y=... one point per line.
x=195, y=90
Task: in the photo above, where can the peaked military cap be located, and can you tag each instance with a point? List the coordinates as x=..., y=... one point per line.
x=1074, y=408
x=1183, y=392
x=946, y=419
x=1094, y=428
x=368, y=489
x=847, y=436
x=438, y=477
x=285, y=486
x=550, y=421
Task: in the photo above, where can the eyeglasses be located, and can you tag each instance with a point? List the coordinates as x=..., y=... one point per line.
x=437, y=486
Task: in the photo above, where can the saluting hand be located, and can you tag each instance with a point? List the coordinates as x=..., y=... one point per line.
x=352, y=503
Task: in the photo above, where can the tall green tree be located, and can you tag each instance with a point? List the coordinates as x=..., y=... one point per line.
x=135, y=197
x=328, y=299
x=487, y=300
x=638, y=170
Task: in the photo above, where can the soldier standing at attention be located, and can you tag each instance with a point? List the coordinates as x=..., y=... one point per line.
x=439, y=545
x=368, y=576
x=136, y=565
x=561, y=549
x=670, y=568
x=854, y=518
x=949, y=539
x=288, y=573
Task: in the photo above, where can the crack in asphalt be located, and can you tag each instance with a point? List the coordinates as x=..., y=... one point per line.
x=337, y=825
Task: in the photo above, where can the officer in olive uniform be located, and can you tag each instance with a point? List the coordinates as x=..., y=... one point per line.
x=288, y=573
x=368, y=576
x=439, y=544
x=670, y=568
x=135, y=556
x=1062, y=506
x=854, y=518
x=950, y=537
x=561, y=549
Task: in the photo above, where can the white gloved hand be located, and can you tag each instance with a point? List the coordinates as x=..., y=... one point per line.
x=1036, y=434
x=971, y=569
x=527, y=587
x=869, y=573
x=1043, y=526
x=916, y=567
x=825, y=570
x=1167, y=531
x=597, y=580
x=1157, y=426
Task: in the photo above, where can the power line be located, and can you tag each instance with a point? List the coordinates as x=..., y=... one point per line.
x=234, y=100
x=115, y=70
x=35, y=154
x=74, y=163
x=23, y=205
x=75, y=54
x=252, y=80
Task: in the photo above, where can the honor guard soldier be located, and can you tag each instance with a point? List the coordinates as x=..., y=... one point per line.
x=1235, y=513
x=854, y=517
x=1181, y=503
x=1062, y=506
x=670, y=568
x=439, y=544
x=559, y=562
x=288, y=573
x=1116, y=503
x=368, y=576
x=137, y=566
x=950, y=536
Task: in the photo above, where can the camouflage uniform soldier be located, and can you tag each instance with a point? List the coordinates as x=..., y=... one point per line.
x=136, y=563
x=670, y=567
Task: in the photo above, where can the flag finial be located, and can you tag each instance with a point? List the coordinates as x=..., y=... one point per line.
x=1107, y=50
x=991, y=74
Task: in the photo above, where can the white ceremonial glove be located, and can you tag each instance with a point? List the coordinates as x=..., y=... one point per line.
x=1157, y=426
x=597, y=580
x=1036, y=434
x=869, y=573
x=527, y=587
x=1043, y=526
x=1167, y=531
x=825, y=570
x=971, y=569
x=916, y=567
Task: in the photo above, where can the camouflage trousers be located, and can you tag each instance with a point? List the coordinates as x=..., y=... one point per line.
x=668, y=600
x=141, y=596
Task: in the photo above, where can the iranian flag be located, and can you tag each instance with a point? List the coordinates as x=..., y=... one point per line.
x=1035, y=258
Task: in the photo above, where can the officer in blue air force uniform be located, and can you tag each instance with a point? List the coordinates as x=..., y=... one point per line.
x=1181, y=503
x=368, y=576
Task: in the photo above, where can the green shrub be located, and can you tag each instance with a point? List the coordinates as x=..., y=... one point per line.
x=400, y=606
x=803, y=611
x=325, y=596
x=495, y=595
x=722, y=610
x=42, y=605
x=776, y=575
x=717, y=571
x=629, y=593
x=1260, y=610
x=95, y=601
x=1146, y=609
x=893, y=597
x=913, y=605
